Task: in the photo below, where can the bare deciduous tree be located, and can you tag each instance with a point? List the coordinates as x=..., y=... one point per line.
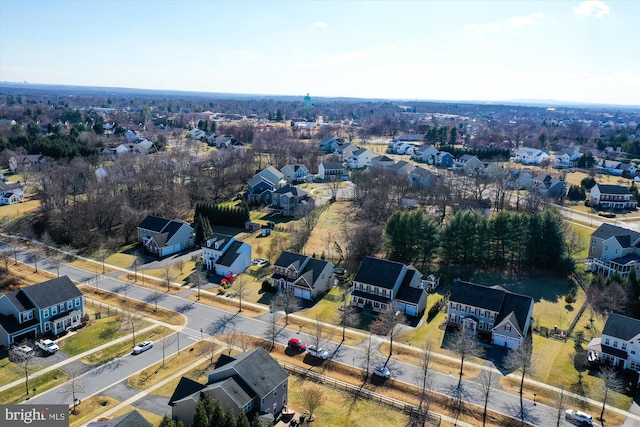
x=168, y=277
x=74, y=386
x=230, y=340
x=23, y=359
x=560, y=405
x=210, y=349
x=349, y=315
x=388, y=323
x=273, y=328
x=286, y=301
x=423, y=379
x=610, y=382
x=464, y=346
x=521, y=359
x=366, y=355
x=486, y=381
x=244, y=341
x=198, y=279
x=312, y=398
x=240, y=287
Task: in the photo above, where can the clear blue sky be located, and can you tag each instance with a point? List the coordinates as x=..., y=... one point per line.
x=579, y=51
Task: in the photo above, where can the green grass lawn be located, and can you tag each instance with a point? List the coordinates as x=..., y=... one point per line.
x=10, y=371
x=101, y=331
x=426, y=332
x=41, y=383
x=124, y=347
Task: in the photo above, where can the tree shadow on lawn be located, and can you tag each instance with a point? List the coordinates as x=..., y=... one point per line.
x=546, y=287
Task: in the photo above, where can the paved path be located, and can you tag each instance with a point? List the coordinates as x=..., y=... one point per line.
x=206, y=321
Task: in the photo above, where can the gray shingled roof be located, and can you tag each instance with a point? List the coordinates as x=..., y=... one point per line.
x=406, y=292
x=378, y=272
x=52, y=292
x=477, y=296
x=606, y=231
x=230, y=255
x=287, y=258
x=153, y=223
x=622, y=327
x=612, y=189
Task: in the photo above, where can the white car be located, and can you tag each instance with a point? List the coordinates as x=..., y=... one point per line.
x=260, y=262
x=48, y=345
x=318, y=352
x=143, y=346
x=23, y=350
x=381, y=371
x=578, y=417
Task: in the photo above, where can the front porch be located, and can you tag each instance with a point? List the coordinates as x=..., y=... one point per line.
x=63, y=322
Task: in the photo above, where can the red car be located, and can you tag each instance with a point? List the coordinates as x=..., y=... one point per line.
x=229, y=278
x=297, y=345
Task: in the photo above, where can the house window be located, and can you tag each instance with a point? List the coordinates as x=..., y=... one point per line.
x=624, y=346
x=615, y=344
x=69, y=305
x=275, y=393
x=635, y=366
x=27, y=316
x=54, y=310
x=47, y=326
x=61, y=307
x=606, y=341
x=45, y=313
x=77, y=302
x=507, y=327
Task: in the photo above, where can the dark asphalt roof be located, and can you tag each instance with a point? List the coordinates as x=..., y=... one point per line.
x=612, y=189
x=186, y=387
x=20, y=300
x=332, y=165
x=130, y=419
x=606, y=231
x=628, y=259
x=287, y=258
x=477, y=296
x=259, y=370
x=622, y=327
x=52, y=292
x=11, y=325
x=153, y=223
x=406, y=292
x=379, y=272
x=230, y=255
x=516, y=306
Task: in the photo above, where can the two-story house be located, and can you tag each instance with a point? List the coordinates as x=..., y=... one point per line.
x=250, y=382
x=224, y=254
x=308, y=277
x=380, y=284
x=294, y=173
x=332, y=171
x=289, y=200
x=265, y=182
x=614, y=249
x=607, y=196
x=505, y=315
x=48, y=307
x=566, y=158
x=425, y=153
x=360, y=158
x=619, y=344
x=420, y=178
x=531, y=156
x=162, y=237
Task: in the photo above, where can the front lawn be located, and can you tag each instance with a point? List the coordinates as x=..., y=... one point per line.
x=41, y=383
x=97, y=333
x=124, y=347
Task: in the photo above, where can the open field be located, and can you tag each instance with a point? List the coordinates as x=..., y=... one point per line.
x=328, y=230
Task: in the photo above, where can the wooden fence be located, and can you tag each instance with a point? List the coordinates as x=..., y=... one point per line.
x=431, y=420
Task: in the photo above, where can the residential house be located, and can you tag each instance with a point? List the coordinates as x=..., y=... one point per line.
x=48, y=307
x=444, y=159
x=381, y=161
x=224, y=255
x=469, y=164
x=619, y=344
x=380, y=285
x=308, y=277
x=505, y=315
x=250, y=382
x=615, y=167
x=294, y=173
x=132, y=418
x=26, y=162
x=332, y=171
x=430, y=282
x=360, y=158
x=264, y=183
x=547, y=185
x=198, y=134
x=345, y=150
x=520, y=180
x=329, y=145
x=420, y=178
x=566, y=158
x=605, y=196
x=131, y=135
x=402, y=167
x=425, y=153
x=162, y=237
x=614, y=249
x=531, y=156
x=11, y=193
x=289, y=200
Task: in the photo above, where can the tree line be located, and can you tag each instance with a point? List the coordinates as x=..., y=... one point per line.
x=516, y=241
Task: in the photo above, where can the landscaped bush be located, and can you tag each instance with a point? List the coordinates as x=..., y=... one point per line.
x=267, y=287
x=434, y=310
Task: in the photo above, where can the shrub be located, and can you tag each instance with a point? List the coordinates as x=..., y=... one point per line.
x=267, y=287
x=434, y=310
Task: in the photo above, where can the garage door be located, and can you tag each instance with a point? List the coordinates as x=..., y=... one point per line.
x=400, y=306
x=499, y=339
x=412, y=310
x=513, y=342
x=302, y=293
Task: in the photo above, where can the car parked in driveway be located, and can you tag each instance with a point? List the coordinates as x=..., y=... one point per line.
x=578, y=417
x=142, y=347
x=318, y=352
x=260, y=262
x=382, y=371
x=48, y=345
x=339, y=271
x=297, y=345
x=23, y=350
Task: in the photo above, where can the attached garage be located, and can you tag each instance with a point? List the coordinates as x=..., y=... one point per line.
x=302, y=293
x=412, y=310
x=500, y=340
x=400, y=305
x=513, y=342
